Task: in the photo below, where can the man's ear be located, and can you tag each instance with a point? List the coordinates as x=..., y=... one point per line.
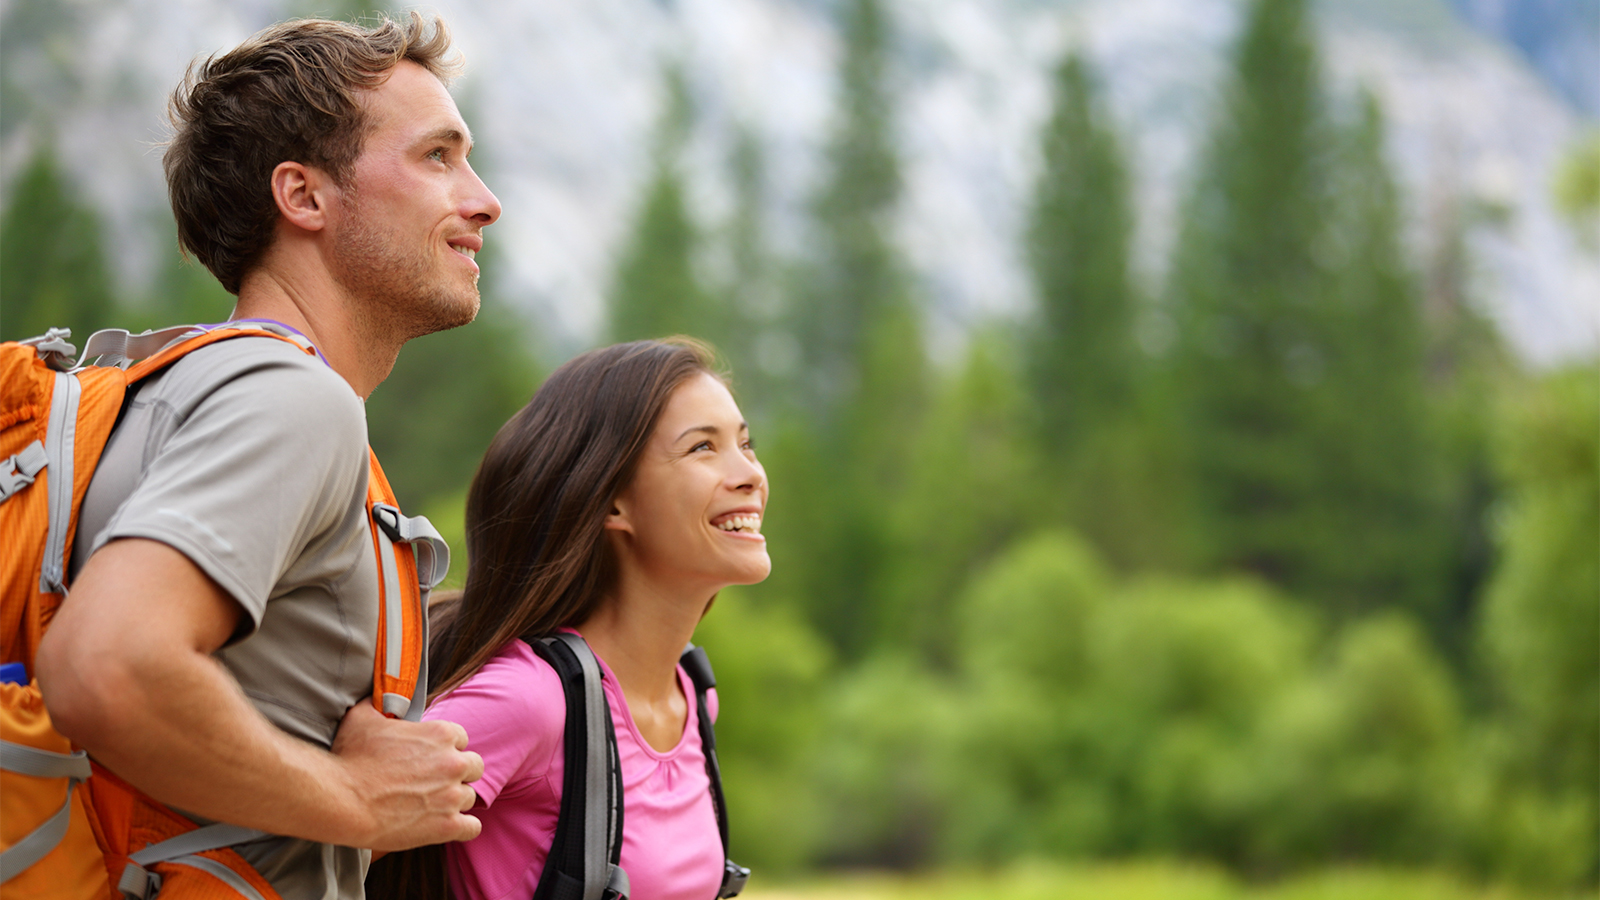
x=302, y=194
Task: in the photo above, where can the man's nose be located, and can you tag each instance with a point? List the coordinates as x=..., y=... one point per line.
x=480, y=204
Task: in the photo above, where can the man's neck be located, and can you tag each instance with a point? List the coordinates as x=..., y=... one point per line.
x=326, y=315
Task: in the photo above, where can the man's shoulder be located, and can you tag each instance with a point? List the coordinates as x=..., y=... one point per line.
x=267, y=374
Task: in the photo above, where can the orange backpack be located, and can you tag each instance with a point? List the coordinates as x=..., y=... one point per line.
x=70, y=829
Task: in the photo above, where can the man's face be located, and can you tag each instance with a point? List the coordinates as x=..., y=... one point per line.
x=410, y=218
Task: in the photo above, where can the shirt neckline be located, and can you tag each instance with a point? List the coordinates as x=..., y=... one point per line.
x=691, y=722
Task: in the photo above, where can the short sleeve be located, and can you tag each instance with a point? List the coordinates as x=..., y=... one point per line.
x=514, y=713
x=257, y=453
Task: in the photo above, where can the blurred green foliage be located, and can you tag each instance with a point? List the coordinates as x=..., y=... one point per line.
x=52, y=269
x=1156, y=880
x=1287, y=566
x=1577, y=188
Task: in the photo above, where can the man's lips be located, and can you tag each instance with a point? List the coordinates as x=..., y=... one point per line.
x=467, y=245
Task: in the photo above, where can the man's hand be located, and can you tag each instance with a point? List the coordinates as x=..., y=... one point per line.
x=412, y=777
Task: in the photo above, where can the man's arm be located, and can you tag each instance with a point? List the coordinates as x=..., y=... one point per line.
x=127, y=673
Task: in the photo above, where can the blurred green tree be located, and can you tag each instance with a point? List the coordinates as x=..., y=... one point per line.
x=655, y=291
x=750, y=285
x=1104, y=463
x=1081, y=356
x=1298, y=365
x=971, y=486
x=862, y=375
x=1540, y=630
x=52, y=269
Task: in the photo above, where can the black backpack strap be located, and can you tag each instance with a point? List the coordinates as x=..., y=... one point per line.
x=582, y=864
x=698, y=667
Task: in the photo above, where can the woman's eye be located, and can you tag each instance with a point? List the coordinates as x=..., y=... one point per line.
x=749, y=444
x=703, y=445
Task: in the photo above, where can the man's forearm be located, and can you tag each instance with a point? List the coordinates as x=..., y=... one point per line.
x=179, y=729
x=127, y=672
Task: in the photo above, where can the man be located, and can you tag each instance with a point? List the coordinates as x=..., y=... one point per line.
x=219, y=638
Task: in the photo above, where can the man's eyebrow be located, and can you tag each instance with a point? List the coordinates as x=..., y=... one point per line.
x=708, y=429
x=449, y=135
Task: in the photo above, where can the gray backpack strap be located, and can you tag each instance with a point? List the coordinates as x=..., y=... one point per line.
x=139, y=883
x=582, y=862
x=600, y=813
x=118, y=347
x=60, y=439
x=26, y=760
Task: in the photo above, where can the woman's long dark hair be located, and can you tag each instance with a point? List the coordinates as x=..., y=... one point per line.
x=536, y=548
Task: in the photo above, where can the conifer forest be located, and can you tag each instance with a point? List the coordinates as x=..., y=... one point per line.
x=1273, y=556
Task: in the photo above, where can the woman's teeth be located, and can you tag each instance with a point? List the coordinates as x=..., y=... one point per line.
x=749, y=524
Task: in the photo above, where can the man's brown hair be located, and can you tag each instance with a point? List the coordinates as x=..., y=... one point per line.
x=290, y=93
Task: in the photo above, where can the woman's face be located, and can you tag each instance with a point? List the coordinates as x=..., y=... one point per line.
x=692, y=515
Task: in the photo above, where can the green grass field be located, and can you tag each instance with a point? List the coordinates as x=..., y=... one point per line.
x=1149, y=881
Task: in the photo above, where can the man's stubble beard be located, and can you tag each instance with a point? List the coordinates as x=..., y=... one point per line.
x=396, y=293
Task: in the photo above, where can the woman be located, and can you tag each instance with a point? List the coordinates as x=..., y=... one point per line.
x=615, y=505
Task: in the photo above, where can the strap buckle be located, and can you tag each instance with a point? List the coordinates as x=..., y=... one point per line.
x=19, y=471
x=734, y=878
x=138, y=883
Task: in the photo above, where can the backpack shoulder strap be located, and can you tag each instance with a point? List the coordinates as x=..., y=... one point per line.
x=698, y=667
x=412, y=560
x=584, y=854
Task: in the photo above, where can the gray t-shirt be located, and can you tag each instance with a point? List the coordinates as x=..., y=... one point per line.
x=250, y=457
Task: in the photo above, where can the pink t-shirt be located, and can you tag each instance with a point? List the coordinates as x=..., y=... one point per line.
x=515, y=716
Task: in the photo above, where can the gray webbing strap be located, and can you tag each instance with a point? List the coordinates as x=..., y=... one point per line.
x=38, y=763
x=25, y=760
x=39, y=842
x=18, y=472
x=116, y=347
x=432, y=556
x=597, y=808
x=139, y=883
x=393, y=612
x=59, y=441
x=206, y=837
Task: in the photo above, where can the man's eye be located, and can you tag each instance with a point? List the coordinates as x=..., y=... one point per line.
x=436, y=154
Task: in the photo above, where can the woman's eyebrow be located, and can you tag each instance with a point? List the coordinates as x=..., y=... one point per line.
x=708, y=429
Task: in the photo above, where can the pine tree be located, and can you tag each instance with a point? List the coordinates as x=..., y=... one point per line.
x=1299, y=357
x=52, y=270
x=856, y=279
x=1080, y=351
x=656, y=291
x=862, y=372
x=1102, y=452
x=749, y=293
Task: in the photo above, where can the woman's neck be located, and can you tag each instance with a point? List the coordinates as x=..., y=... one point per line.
x=640, y=631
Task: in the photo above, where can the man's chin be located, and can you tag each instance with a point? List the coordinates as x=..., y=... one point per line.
x=449, y=313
